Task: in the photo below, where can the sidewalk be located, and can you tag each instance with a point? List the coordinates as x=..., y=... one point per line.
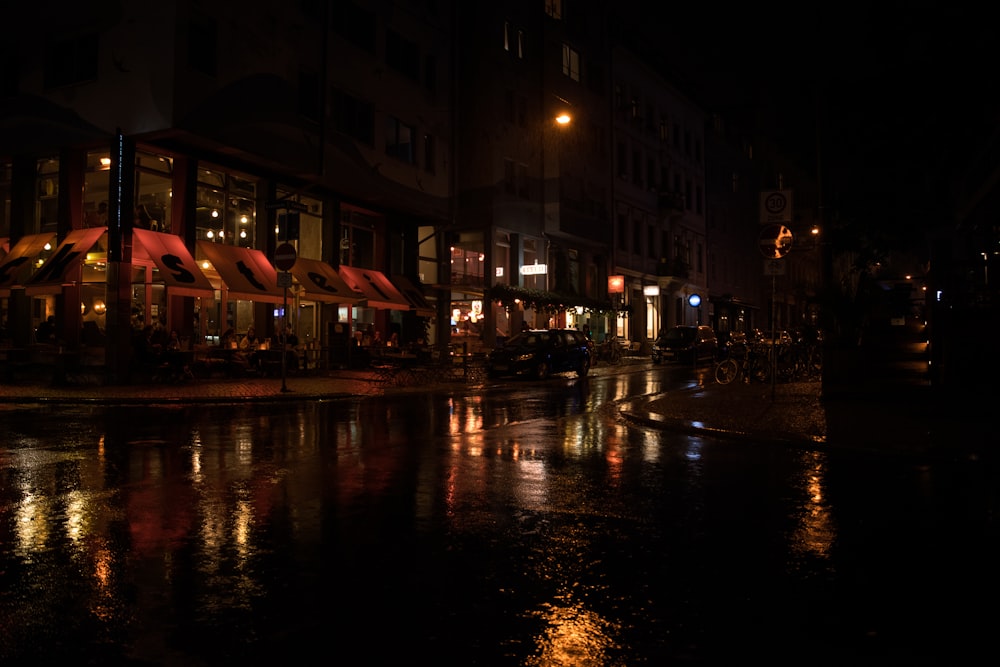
x=900, y=419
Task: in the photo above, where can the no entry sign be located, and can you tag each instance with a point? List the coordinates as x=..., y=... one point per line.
x=284, y=257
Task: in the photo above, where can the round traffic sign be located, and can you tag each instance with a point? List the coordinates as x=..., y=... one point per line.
x=284, y=257
x=775, y=241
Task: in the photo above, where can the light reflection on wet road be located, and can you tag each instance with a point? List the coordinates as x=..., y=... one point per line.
x=524, y=525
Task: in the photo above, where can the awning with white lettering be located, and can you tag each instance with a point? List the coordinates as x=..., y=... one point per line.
x=15, y=267
x=245, y=272
x=376, y=288
x=65, y=265
x=177, y=268
x=414, y=295
x=321, y=282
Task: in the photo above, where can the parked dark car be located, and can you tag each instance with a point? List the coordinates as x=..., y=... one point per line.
x=539, y=353
x=690, y=344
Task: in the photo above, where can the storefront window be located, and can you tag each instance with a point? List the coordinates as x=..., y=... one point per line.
x=428, y=262
x=225, y=210
x=501, y=259
x=153, y=189
x=533, y=271
x=47, y=199
x=310, y=232
x=357, y=238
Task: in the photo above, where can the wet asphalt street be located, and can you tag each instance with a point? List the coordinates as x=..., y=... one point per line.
x=516, y=524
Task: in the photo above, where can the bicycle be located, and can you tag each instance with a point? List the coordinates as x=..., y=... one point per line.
x=746, y=362
x=609, y=351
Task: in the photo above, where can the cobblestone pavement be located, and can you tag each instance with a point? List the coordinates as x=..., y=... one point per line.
x=903, y=419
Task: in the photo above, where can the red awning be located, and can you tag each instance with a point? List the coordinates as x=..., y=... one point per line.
x=414, y=295
x=63, y=267
x=15, y=266
x=321, y=282
x=245, y=272
x=177, y=268
x=375, y=287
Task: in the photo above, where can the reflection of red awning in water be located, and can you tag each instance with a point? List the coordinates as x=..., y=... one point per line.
x=63, y=267
x=245, y=272
x=377, y=289
x=177, y=268
x=321, y=282
x=14, y=267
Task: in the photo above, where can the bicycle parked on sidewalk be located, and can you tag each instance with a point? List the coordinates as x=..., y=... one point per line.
x=609, y=351
x=749, y=362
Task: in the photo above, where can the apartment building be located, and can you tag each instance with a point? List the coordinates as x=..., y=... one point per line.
x=660, y=240
x=225, y=129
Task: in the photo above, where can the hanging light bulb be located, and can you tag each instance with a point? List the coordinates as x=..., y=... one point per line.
x=210, y=234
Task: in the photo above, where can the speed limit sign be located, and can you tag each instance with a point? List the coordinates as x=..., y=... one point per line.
x=775, y=206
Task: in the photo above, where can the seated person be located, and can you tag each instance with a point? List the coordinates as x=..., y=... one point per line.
x=250, y=346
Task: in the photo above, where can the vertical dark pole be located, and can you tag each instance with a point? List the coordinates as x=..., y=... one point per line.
x=121, y=202
x=284, y=338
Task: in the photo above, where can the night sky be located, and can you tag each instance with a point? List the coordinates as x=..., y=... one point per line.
x=904, y=91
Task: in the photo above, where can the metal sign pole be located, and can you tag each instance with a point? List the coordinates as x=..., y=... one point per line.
x=774, y=347
x=284, y=338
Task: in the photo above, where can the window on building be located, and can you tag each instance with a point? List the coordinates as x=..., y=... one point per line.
x=402, y=55
x=637, y=236
x=637, y=167
x=225, y=209
x=154, y=185
x=354, y=24
x=399, y=139
x=570, y=62
x=357, y=237
x=509, y=177
x=623, y=232
x=310, y=92
x=687, y=195
x=553, y=9
x=430, y=73
x=47, y=195
x=651, y=245
x=72, y=60
x=700, y=260
x=430, y=157
x=622, y=160
x=698, y=199
x=202, y=48
x=354, y=117
x=522, y=181
x=532, y=255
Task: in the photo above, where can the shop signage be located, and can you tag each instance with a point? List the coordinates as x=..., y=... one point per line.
x=534, y=269
x=616, y=284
